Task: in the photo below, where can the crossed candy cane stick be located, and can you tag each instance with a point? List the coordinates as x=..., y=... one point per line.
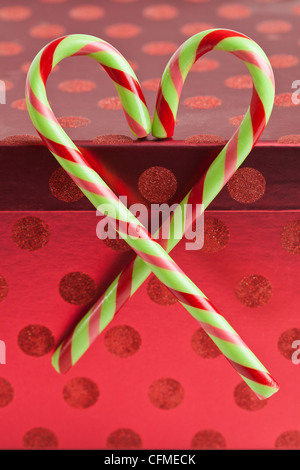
x=151, y=255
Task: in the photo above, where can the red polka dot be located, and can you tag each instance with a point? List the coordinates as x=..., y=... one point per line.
x=112, y=139
x=283, y=61
x=247, y=185
x=113, y=103
x=123, y=30
x=290, y=139
x=81, y=392
x=19, y=104
x=234, y=11
x=46, y=31
x=285, y=100
x=159, y=48
x=205, y=139
x=246, y=399
x=157, y=184
x=3, y=289
x=77, y=288
x=286, y=340
x=114, y=242
x=72, y=122
x=15, y=13
x=236, y=121
x=208, y=439
x=152, y=84
x=133, y=65
x=122, y=341
x=21, y=139
x=124, y=439
x=63, y=188
x=253, y=290
x=76, y=86
x=40, y=439
x=296, y=10
x=87, y=13
x=6, y=392
x=160, y=12
x=239, y=82
x=216, y=235
x=189, y=29
x=30, y=233
x=10, y=48
x=274, y=26
x=35, y=340
x=166, y=393
x=205, y=65
x=159, y=293
x=290, y=237
x=7, y=84
x=203, y=345
x=202, y=102
x=288, y=440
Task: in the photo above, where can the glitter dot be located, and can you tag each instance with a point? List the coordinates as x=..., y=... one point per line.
x=203, y=345
x=117, y=243
x=46, y=31
x=76, y=86
x=159, y=48
x=208, y=439
x=236, y=121
x=159, y=293
x=285, y=100
x=202, y=102
x=112, y=139
x=15, y=13
x=6, y=392
x=247, y=185
x=289, y=139
x=166, y=393
x=123, y=30
x=63, y=188
x=290, y=237
x=72, y=122
x=21, y=139
x=77, y=288
x=205, y=139
x=40, y=439
x=274, y=26
x=239, y=82
x=3, y=289
x=113, y=103
x=189, y=29
x=286, y=340
x=245, y=398
x=35, y=340
x=124, y=439
x=122, y=341
x=30, y=233
x=152, y=84
x=216, y=235
x=288, y=440
x=87, y=13
x=253, y=290
x=204, y=65
x=157, y=184
x=19, y=104
x=283, y=61
x=234, y=11
x=10, y=48
x=80, y=392
x=160, y=12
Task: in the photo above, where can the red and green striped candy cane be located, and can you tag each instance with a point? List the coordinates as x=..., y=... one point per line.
x=168, y=272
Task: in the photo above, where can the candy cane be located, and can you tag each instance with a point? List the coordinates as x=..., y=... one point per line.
x=242, y=359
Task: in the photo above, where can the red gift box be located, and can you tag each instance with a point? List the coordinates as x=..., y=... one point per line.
x=153, y=379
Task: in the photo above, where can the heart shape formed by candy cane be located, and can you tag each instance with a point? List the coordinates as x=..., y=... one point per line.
x=151, y=255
